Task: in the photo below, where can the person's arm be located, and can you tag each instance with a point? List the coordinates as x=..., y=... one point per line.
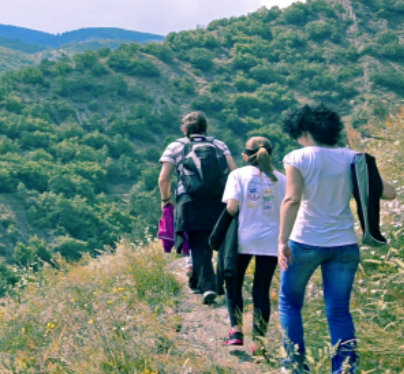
x=166, y=173
x=289, y=209
x=389, y=192
x=230, y=163
x=232, y=206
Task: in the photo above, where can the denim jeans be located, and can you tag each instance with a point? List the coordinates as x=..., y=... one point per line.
x=338, y=267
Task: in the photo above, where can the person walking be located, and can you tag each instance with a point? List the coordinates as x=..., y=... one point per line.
x=255, y=192
x=317, y=230
x=202, y=164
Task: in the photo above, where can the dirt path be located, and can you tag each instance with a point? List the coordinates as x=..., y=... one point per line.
x=204, y=327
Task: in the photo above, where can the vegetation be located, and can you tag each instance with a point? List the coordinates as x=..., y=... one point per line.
x=116, y=315
x=13, y=60
x=80, y=140
x=80, y=137
x=30, y=39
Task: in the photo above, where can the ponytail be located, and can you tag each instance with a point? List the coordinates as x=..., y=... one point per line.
x=259, y=152
x=265, y=165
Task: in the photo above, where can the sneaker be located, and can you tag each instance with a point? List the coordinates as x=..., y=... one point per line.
x=235, y=338
x=294, y=369
x=209, y=297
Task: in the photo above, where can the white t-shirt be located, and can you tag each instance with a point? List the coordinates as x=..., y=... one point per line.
x=174, y=153
x=259, y=201
x=325, y=218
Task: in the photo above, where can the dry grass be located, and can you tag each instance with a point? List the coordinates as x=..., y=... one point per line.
x=115, y=314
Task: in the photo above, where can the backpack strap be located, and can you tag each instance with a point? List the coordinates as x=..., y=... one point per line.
x=183, y=141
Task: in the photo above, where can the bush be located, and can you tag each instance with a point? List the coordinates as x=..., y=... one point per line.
x=295, y=14
x=242, y=83
x=184, y=85
x=122, y=62
x=390, y=78
x=318, y=30
x=162, y=51
x=387, y=37
x=31, y=75
x=70, y=248
x=209, y=103
x=29, y=254
x=394, y=51
x=201, y=58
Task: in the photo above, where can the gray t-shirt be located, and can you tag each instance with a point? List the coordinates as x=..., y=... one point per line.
x=325, y=218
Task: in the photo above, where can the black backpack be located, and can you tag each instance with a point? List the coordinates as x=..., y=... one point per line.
x=205, y=168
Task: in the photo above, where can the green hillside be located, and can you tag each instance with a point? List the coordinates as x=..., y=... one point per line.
x=14, y=60
x=80, y=137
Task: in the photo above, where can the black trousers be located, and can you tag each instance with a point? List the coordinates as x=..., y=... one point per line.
x=202, y=254
x=264, y=270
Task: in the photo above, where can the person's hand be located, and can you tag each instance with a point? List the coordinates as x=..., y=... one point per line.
x=284, y=255
x=164, y=204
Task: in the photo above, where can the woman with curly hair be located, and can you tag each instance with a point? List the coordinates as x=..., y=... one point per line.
x=317, y=230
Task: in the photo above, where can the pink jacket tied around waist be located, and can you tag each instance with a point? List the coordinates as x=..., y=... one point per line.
x=166, y=231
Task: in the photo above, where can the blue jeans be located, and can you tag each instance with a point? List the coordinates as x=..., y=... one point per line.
x=338, y=267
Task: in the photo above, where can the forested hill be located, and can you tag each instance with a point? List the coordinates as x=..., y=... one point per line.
x=80, y=137
x=21, y=47
x=39, y=38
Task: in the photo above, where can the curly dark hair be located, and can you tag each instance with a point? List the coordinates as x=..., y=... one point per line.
x=322, y=123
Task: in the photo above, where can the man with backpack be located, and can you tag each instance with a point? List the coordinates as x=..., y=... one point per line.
x=202, y=164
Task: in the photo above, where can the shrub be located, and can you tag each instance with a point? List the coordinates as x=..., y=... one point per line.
x=29, y=254
x=184, y=85
x=318, y=30
x=31, y=75
x=393, y=51
x=390, y=78
x=295, y=14
x=70, y=248
x=387, y=37
x=162, y=51
x=201, y=58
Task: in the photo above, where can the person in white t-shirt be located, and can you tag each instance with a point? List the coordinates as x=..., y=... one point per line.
x=256, y=192
x=317, y=230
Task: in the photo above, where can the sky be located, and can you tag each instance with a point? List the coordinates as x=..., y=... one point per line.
x=155, y=16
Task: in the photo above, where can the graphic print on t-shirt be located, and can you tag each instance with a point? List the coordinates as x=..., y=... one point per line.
x=259, y=195
x=267, y=199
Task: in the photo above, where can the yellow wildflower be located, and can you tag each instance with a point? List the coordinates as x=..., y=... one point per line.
x=91, y=321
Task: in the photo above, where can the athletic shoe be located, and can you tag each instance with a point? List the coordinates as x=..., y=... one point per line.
x=235, y=338
x=292, y=369
x=209, y=297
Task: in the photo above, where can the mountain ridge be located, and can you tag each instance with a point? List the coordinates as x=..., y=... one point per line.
x=44, y=39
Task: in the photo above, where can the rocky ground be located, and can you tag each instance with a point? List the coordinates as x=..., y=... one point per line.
x=204, y=327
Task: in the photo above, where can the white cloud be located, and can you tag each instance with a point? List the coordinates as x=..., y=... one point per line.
x=158, y=16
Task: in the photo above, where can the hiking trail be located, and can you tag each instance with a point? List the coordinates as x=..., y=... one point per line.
x=204, y=327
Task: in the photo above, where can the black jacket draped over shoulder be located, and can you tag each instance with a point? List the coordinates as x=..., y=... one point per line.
x=368, y=190
x=224, y=239
x=195, y=214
